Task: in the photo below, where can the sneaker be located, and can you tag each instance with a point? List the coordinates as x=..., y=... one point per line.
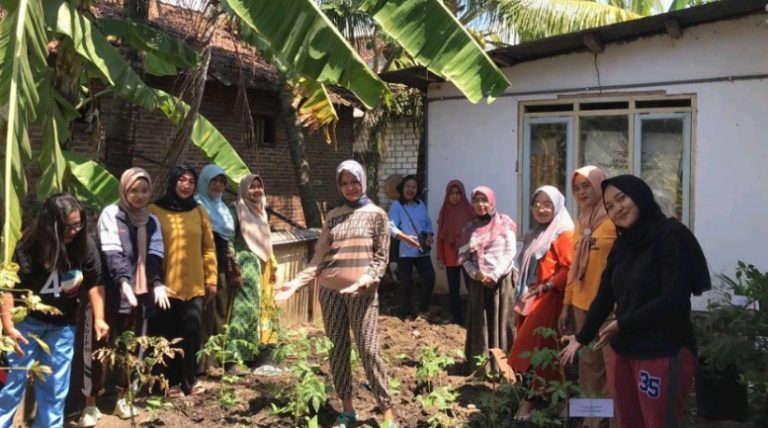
x=124, y=411
x=89, y=417
x=267, y=370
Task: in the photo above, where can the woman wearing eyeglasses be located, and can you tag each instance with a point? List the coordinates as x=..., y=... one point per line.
x=56, y=259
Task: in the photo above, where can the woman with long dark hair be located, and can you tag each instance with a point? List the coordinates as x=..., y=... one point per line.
x=190, y=272
x=56, y=260
x=350, y=259
x=409, y=223
x=655, y=265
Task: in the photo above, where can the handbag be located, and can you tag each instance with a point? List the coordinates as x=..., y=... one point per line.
x=424, y=248
x=233, y=274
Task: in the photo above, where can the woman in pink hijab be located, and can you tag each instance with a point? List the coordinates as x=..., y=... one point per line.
x=454, y=215
x=487, y=253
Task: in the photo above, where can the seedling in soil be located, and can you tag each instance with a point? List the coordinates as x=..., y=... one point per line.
x=224, y=349
x=137, y=357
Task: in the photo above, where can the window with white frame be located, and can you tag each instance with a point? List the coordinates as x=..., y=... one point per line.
x=648, y=136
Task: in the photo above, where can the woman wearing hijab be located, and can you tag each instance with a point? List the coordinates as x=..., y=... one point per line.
x=655, y=265
x=544, y=264
x=593, y=240
x=454, y=215
x=132, y=248
x=190, y=272
x=210, y=188
x=350, y=259
x=254, y=308
x=487, y=253
x=409, y=222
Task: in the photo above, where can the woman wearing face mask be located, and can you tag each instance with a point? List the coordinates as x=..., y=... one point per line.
x=408, y=218
x=487, y=253
x=594, y=236
x=56, y=259
x=210, y=188
x=544, y=264
x=132, y=246
x=655, y=265
x=455, y=213
x=190, y=271
x=350, y=259
x=253, y=315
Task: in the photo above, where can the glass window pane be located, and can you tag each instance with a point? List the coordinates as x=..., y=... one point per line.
x=661, y=161
x=603, y=141
x=549, y=142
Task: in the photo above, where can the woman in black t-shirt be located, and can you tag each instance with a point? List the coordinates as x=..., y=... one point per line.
x=55, y=258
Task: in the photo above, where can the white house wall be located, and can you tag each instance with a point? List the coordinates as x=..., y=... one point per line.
x=479, y=143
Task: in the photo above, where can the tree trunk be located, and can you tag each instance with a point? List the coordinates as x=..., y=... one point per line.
x=293, y=130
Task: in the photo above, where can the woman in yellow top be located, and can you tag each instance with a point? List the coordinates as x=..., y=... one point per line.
x=190, y=274
x=593, y=240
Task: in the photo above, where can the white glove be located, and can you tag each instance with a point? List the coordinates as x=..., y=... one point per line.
x=161, y=296
x=285, y=291
x=127, y=291
x=362, y=283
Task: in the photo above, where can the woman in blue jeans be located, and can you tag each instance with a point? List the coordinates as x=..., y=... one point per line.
x=408, y=218
x=56, y=261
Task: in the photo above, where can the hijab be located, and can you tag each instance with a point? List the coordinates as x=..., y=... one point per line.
x=650, y=227
x=221, y=218
x=589, y=219
x=481, y=233
x=171, y=201
x=138, y=217
x=453, y=218
x=539, y=239
x=252, y=215
x=357, y=170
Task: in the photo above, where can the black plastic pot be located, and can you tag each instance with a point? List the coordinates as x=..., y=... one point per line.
x=720, y=396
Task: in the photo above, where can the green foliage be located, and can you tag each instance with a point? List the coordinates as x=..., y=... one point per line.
x=736, y=336
x=431, y=368
x=124, y=356
x=439, y=402
x=224, y=349
x=437, y=397
x=430, y=33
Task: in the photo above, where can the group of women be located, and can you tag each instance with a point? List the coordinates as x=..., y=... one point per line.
x=624, y=269
x=163, y=269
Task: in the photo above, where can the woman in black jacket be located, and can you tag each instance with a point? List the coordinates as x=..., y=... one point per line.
x=132, y=250
x=655, y=265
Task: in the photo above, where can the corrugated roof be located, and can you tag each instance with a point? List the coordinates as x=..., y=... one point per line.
x=420, y=77
x=293, y=236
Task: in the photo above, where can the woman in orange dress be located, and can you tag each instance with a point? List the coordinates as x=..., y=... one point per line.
x=545, y=261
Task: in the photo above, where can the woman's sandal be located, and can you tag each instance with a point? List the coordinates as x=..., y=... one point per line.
x=197, y=389
x=174, y=392
x=501, y=362
x=346, y=420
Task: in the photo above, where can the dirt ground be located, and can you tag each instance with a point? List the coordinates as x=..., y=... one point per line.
x=401, y=341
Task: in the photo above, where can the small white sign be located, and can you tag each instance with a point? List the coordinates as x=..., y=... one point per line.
x=590, y=408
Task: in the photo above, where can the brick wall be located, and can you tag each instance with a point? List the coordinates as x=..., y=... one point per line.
x=273, y=163
x=400, y=157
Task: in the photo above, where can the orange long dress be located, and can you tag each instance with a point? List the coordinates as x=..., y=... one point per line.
x=552, y=267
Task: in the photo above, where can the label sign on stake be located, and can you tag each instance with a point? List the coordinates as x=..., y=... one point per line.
x=590, y=408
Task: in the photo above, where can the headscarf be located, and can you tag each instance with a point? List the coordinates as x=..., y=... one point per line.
x=354, y=168
x=539, y=239
x=221, y=219
x=648, y=229
x=171, y=201
x=254, y=223
x=589, y=219
x=483, y=231
x=139, y=217
x=453, y=218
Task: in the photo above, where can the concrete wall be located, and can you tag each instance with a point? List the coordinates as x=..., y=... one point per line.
x=479, y=143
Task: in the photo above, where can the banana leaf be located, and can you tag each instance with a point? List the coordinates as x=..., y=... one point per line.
x=23, y=51
x=90, y=182
x=316, y=110
x=115, y=71
x=429, y=32
x=153, y=41
x=305, y=40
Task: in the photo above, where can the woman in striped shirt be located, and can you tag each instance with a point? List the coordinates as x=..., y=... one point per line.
x=350, y=259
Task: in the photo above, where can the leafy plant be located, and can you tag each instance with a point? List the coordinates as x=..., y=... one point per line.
x=437, y=397
x=306, y=392
x=224, y=349
x=139, y=367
